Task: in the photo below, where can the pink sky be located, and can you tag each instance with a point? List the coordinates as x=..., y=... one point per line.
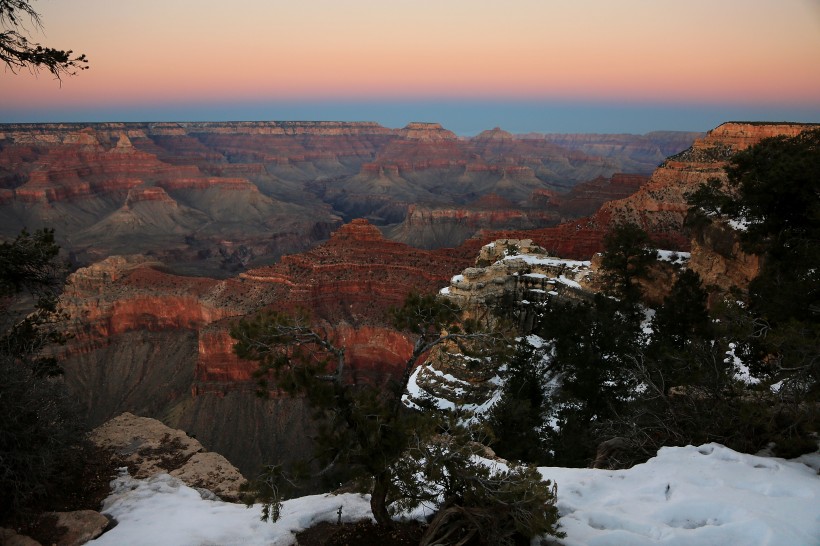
x=155, y=53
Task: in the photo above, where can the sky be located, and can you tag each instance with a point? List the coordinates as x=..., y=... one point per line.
x=524, y=65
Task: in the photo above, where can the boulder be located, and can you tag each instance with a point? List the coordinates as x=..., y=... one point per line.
x=8, y=537
x=80, y=526
x=148, y=447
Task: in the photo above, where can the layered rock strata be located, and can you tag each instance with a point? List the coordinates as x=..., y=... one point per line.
x=512, y=276
x=659, y=206
x=205, y=197
x=720, y=261
x=148, y=341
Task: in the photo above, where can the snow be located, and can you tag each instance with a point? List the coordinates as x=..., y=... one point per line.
x=741, y=224
x=646, y=323
x=536, y=342
x=673, y=256
x=454, y=386
x=414, y=391
x=741, y=370
x=457, y=279
x=162, y=511
x=542, y=260
x=707, y=495
x=568, y=282
x=691, y=495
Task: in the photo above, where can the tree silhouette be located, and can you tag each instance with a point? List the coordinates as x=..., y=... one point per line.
x=18, y=52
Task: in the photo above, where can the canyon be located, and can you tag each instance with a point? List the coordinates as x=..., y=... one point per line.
x=659, y=206
x=146, y=340
x=339, y=220
x=217, y=198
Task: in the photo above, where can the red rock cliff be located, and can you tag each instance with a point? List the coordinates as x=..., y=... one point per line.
x=659, y=206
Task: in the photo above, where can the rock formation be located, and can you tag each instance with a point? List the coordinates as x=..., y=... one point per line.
x=586, y=198
x=719, y=260
x=211, y=198
x=635, y=153
x=104, y=194
x=155, y=342
x=515, y=272
x=510, y=274
x=148, y=447
x=148, y=341
x=659, y=206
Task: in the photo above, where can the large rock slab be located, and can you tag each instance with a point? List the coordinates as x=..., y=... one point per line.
x=148, y=447
x=80, y=526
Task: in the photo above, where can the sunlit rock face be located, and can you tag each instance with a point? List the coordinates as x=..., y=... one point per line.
x=659, y=205
x=720, y=261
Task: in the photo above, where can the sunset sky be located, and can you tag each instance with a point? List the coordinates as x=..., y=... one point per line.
x=523, y=65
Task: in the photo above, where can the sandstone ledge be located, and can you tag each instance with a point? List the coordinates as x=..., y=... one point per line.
x=148, y=447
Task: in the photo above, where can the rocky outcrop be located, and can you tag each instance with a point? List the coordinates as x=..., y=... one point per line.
x=659, y=205
x=517, y=274
x=516, y=278
x=426, y=131
x=148, y=447
x=357, y=275
x=719, y=259
x=80, y=526
x=131, y=293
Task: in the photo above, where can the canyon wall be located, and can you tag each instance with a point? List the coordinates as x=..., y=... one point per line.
x=150, y=340
x=218, y=197
x=659, y=205
x=155, y=343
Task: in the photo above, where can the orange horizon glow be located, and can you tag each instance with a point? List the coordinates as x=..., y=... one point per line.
x=152, y=52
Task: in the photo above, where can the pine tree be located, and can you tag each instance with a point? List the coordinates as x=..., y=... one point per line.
x=40, y=428
x=363, y=430
x=517, y=419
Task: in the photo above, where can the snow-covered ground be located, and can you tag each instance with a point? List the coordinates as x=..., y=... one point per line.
x=707, y=495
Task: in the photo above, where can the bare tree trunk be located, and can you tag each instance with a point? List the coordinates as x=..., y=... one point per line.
x=378, y=499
